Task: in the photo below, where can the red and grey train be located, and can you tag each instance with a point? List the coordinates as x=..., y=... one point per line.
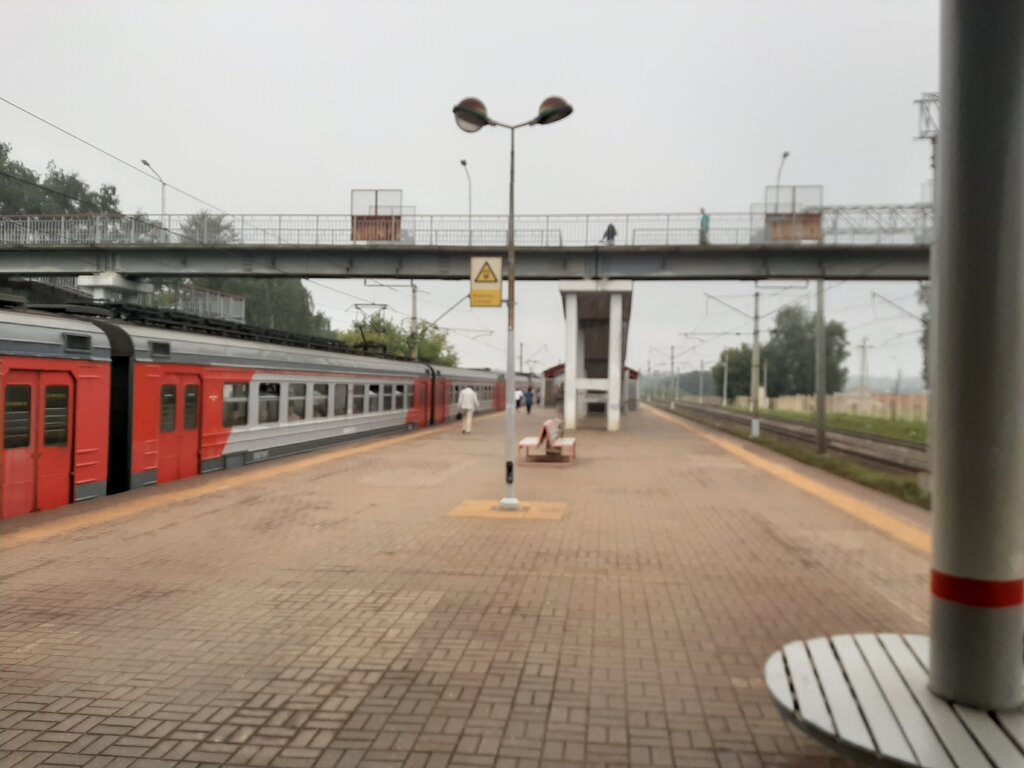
x=98, y=405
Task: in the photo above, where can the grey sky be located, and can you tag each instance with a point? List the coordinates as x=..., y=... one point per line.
x=285, y=107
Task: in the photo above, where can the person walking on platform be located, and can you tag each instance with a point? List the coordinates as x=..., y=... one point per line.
x=468, y=402
x=705, y=225
x=609, y=235
x=519, y=398
x=528, y=398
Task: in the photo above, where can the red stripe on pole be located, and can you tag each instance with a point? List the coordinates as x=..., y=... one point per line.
x=977, y=593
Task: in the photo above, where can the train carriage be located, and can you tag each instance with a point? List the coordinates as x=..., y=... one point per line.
x=54, y=397
x=489, y=387
x=103, y=401
x=202, y=403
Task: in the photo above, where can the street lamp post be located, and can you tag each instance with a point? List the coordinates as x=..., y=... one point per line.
x=163, y=197
x=465, y=167
x=778, y=178
x=471, y=116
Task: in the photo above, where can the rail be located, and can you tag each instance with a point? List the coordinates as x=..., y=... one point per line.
x=842, y=225
x=900, y=455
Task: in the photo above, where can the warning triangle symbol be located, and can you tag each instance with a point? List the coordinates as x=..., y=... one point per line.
x=485, y=275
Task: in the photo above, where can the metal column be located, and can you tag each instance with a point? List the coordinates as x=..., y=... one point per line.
x=978, y=360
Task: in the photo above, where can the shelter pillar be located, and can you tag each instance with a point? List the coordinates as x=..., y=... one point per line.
x=572, y=331
x=978, y=329
x=614, y=407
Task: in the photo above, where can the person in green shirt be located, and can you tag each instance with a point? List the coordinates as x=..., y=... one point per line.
x=705, y=225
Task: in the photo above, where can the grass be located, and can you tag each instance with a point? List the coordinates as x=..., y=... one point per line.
x=902, y=486
x=897, y=429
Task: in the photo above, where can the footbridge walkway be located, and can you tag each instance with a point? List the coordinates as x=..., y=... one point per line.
x=852, y=242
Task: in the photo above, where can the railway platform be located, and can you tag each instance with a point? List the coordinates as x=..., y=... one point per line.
x=335, y=608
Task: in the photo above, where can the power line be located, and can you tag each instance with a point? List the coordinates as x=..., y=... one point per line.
x=111, y=155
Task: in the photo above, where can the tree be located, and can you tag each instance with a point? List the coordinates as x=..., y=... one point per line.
x=22, y=191
x=789, y=356
x=205, y=227
x=434, y=346
x=790, y=353
x=739, y=371
x=283, y=304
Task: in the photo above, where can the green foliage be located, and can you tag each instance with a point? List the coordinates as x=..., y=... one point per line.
x=897, y=429
x=434, y=346
x=789, y=356
x=21, y=195
x=206, y=227
x=739, y=361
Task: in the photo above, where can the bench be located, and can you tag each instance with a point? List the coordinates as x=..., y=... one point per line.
x=867, y=696
x=548, y=446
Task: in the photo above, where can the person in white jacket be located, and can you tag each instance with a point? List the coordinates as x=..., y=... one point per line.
x=468, y=403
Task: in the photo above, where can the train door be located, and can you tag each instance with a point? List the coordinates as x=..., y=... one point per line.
x=179, y=427
x=38, y=449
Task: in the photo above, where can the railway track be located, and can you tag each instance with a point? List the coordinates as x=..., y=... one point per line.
x=890, y=453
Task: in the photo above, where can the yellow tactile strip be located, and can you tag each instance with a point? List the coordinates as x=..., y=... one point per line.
x=529, y=510
x=914, y=537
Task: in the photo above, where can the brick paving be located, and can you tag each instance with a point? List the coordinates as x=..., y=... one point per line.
x=336, y=616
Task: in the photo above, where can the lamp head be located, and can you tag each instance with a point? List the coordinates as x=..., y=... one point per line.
x=785, y=154
x=553, y=109
x=462, y=161
x=471, y=115
x=146, y=163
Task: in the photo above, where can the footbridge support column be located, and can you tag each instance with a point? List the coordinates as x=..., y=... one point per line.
x=597, y=322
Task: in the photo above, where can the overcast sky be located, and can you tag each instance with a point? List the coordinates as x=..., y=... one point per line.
x=285, y=107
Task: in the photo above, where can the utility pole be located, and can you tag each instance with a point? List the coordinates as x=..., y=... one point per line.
x=819, y=369
x=700, y=385
x=520, y=355
x=755, y=369
x=896, y=394
x=725, y=383
x=414, y=346
x=864, y=367
x=672, y=368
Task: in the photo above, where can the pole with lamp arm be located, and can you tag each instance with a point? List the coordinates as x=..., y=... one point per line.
x=163, y=196
x=471, y=116
x=465, y=167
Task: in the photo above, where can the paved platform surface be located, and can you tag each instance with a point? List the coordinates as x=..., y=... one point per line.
x=327, y=611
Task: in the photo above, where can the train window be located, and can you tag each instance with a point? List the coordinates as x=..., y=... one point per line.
x=55, y=416
x=409, y=389
x=387, y=393
x=191, y=406
x=372, y=398
x=320, y=401
x=17, y=415
x=340, y=399
x=160, y=348
x=168, y=407
x=74, y=342
x=296, y=402
x=399, y=397
x=270, y=403
x=358, y=399
x=236, y=405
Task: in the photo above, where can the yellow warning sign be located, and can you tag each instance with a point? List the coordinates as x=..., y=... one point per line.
x=485, y=275
x=485, y=281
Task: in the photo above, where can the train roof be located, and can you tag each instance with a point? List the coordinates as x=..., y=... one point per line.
x=468, y=374
x=43, y=334
x=147, y=344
